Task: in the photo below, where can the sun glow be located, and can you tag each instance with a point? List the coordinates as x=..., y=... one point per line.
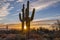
x=25, y=27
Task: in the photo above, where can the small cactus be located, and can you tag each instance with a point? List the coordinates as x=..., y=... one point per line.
x=58, y=23
x=7, y=27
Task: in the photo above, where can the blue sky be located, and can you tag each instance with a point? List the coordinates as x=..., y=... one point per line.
x=45, y=9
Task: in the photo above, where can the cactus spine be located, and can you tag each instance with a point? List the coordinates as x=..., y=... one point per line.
x=25, y=16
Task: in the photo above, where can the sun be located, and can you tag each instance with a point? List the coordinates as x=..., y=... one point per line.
x=25, y=27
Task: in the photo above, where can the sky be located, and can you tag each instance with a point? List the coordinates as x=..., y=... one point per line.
x=45, y=9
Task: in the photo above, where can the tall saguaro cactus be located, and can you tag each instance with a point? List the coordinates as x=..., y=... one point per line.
x=25, y=16
x=29, y=19
x=21, y=17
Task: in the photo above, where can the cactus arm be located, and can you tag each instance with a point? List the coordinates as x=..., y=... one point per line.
x=23, y=14
x=32, y=16
x=20, y=18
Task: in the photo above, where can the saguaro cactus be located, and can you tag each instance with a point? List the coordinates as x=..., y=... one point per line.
x=21, y=17
x=7, y=27
x=29, y=19
x=25, y=16
x=58, y=23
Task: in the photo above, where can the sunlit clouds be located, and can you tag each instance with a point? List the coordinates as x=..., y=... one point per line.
x=4, y=10
x=41, y=4
x=19, y=0
x=9, y=9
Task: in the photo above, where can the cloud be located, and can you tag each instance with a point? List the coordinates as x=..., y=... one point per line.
x=41, y=4
x=1, y=18
x=56, y=17
x=49, y=18
x=20, y=0
x=9, y=0
x=4, y=10
x=10, y=8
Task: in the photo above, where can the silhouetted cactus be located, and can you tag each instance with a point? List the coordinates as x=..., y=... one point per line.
x=58, y=23
x=7, y=27
x=28, y=19
x=25, y=17
x=22, y=18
